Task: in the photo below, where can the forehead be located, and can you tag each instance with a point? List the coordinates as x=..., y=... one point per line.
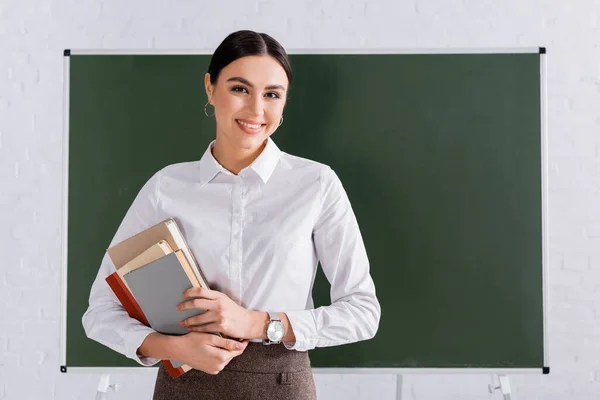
x=259, y=70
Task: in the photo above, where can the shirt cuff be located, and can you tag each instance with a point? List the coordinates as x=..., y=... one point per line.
x=133, y=342
x=304, y=326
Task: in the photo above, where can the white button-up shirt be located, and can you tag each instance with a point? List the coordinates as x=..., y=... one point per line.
x=258, y=237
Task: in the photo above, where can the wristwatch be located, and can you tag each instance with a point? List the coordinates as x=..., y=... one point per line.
x=275, y=330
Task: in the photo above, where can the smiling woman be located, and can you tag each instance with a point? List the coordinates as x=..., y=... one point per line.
x=247, y=83
x=248, y=97
x=258, y=221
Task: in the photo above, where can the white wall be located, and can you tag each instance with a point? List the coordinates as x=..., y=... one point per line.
x=33, y=35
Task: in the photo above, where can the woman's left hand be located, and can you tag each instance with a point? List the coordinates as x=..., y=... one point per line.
x=223, y=315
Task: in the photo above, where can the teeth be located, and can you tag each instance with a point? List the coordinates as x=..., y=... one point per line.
x=249, y=125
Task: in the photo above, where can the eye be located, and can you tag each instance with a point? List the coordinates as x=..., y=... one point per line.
x=273, y=95
x=239, y=89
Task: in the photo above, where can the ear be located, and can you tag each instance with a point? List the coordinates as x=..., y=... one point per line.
x=209, y=87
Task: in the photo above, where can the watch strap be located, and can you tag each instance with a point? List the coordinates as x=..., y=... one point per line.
x=273, y=316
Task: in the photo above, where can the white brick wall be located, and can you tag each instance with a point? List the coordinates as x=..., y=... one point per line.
x=34, y=33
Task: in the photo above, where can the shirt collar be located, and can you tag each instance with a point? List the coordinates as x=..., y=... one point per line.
x=264, y=165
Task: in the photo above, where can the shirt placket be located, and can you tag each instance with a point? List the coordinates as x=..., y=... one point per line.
x=235, y=256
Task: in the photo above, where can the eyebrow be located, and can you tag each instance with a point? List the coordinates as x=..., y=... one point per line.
x=246, y=82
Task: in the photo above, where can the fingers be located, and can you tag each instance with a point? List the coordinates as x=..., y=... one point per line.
x=210, y=321
x=201, y=292
x=199, y=321
x=202, y=304
x=228, y=344
x=240, y=349
x=206, y=328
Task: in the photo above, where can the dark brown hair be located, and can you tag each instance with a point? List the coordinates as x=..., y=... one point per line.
x=247, y=43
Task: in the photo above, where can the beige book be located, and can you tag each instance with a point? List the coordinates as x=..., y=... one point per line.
x=154, y=252
x=187, y=268
x=167, y=230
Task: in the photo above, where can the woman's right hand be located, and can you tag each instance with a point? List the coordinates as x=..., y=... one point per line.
x=207, y=352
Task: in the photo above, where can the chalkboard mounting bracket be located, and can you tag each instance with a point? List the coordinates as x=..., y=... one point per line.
x=501, y=383
x=399, y=387
x=104, y=385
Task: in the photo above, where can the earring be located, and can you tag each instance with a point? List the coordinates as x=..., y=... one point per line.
x=206, y=112
x=280, y=122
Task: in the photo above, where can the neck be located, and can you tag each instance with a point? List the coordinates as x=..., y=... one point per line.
x=235, y=159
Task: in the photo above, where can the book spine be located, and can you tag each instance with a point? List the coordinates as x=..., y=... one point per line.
x=182, y=244
x=126, y=298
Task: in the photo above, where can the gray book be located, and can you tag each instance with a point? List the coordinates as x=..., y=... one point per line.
x=157, y=287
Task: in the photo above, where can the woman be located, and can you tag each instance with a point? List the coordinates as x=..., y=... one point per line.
x=258, y=220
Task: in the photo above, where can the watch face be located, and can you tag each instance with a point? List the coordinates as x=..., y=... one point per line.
x=275, y=331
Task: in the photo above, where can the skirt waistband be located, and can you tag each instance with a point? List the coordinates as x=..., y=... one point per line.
x=274, y=358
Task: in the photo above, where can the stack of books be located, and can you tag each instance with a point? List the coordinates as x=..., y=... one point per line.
x=154, y=268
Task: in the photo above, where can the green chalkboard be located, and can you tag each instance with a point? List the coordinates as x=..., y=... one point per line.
x=440, y=154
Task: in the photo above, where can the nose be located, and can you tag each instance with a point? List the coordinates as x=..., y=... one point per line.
x=257, y=105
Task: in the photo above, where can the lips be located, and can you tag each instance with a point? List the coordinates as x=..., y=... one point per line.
x=250, y=127
x=250, y=124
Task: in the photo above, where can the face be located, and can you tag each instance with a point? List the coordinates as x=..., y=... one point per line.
x=248, y=97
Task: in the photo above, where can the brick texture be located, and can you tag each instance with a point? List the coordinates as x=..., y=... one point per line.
x=34, y=34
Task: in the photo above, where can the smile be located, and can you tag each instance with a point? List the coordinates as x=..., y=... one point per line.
x=251, y=126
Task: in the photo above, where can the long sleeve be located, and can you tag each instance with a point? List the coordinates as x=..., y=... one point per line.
x=105, y=320
x=355, y=311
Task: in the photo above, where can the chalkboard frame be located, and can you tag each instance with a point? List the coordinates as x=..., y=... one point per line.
x=544, y=184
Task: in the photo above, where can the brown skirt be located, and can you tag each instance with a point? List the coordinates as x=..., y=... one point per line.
x=260, y=372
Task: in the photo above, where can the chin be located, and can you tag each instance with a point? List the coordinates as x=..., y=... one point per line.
x=252, y=142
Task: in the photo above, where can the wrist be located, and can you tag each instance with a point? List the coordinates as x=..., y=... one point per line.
x=157, y=345
x=177, y=348
x=260, y=320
